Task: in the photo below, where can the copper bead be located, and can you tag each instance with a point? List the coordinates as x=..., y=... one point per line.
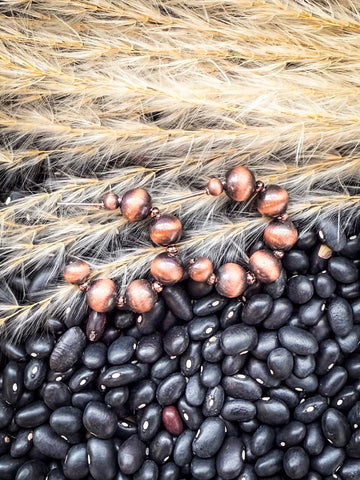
x=166, y=269
x=265, y=266
x=272, y=201
x=231, y=280
x=111, y=201
x=240, y=183
x=214, y=187
x=101, y=295
x=280, y=235
x=136, y=204
x=165, y=230
x=140, y=296
x=76, y=272
x=200, y=269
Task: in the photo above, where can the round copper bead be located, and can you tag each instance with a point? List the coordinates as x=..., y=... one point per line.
x=101, y=295
x=265, y=266
x=76, y=272
x=200, y=269
x=136, y=204
x=165, y=230
x=214, y=187
x=280, y=235
x=111, y=201
x=240, y=183
x=272, y=201
x=231, y=280
x=140, y=296
x=166, y=269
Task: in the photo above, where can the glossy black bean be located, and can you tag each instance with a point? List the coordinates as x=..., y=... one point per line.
x=210, y=304
x=355, y=307
x=81, y=399
x=299, y=289
x=6, y=413
x=142, y=394
x=195, y=391
x=291, y=434
x=307, y=384
x=120, y=375
x=210, y=374
x=149, y=348
x=238, y=409
x=354, y=416
x=54, y=326
x=39, y=346
x=296, y=262
x=123, y=319
x=267, y=342
x=131, y=455
x=9, y=466
x=307, y=240
x=345, y=398
x=350, y=342
x=68, y=349
x=238, y=339
x=277, y=288
x=191, y=416
x=340, y=316
x=111, y=333
x=169, y=321
x=13, y=382
x=148, y=471
x=75, y=465
x=350, y=470
x=332, y=234
x=296, y=463
x=49, y=443
x=161, y=447
x=56, y=394
x=262, y=440
x=310, y=409
x=250, y=426
x=169, y=471
x=241, y=386
x=171, y=389
x=126, y=428
x=270, y=463
x=311, y=312
x=352, y=365
x=304, y=365
x=280, y=363
x=257, y=308
x=298, y=341
x=335, y=427
x=349, y=290
x=81, y=379
x=211, y=349
x=149, y=322
x=321, y=330
x=121, y=350
x=279, y=314
x=331, y=383
x=22, y=443
x=150, y=422
x=272, y=411
x=32, y=415
x=230, y=315
x=178, y=301
x=317, y=261
x=53, y=376
x=327, y=356
x=182, y=453
x=353, y=446
x=343, y=269
x=203, y=468
x=191, y=359
x=5, y=442
x=314, y=441
x=13, y=351
x=198, y=289
x=209, y=437
x=66, y=420
x=329, y=460
x=259, y=371
x=232, y=364
x=176, y=340
x=324, y=285
x=352, y=247
x=213, y=402
x=94, y=355
x=164, y=367
x=32, y=470
x=35, y=373
x=286, y=394
x=201, y=328
x=99, y=420
x=101, y=459
x=248, y=473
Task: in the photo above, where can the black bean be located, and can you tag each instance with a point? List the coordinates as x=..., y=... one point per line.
x=182, y=453
x=321, y=330
x=169, y=321
x=259, y=371
x=49, y=443
x=311, y=312
x=213, y=402
x=195, y=391
x=304, y=365
x=203, y=468
x=238, y=339
x=257, y=308
x=198, y=289
x=262, y=440
x=176, y=340
x=66, y=420
x=354, y=416
x=324, y=285
x=6, y=413
x=310, y=409
x=201, y=328
x=76, y=462
x=9, y=466
x=101, y=459
x=210, y=304
x=22, y=444
x=350, y=469
x=209, y=437
x=327, y=356
x=165, y=366
x=287, y=395
x=343, y=269
x=161, y=447
x=335, y=427
x=123, y=319
x=95, y=325
x=39, y=346
x=296, y=262
x=355, y=307
x=191, y=416
x=121, y=350
x=210, y=374
x=81, y=399
x=13, y=382
x=169, y=471
x=279, y=314
x=238, y=409
x=314, y=441
x=277, y=288
x=32, y=415
x=299, y=289
x=32, y=470
x=110, y=335
x=331, y=233
x=296, y=462
x=149, y=348
x=250, y=426
x=318, y=261
x=120, y=375
x=56, y=394
x=307, y=384
x=94, y=355
x=131, y=455
x=178, y=301
x=13, y=351
x=53, y=376
x=142, y=394
x=340, y=316
x=211, y=349
x=272, y=411
x=171, y=389
x=4, y=442
x=298, y=341
x=267, y=342
x=350, y=290
x=99, y=420
x=345, y=399
x=150, y=422
x=353, y=446
x=148, y=471
x=329, y=460
x=350, y=342
x=291, y=434
x=280, y=363
x=332, y=382
x=307, y=240
x=233, y=363
x=242, y=386
x=147, y=323
x=35, y=373
x=191, y=359
x=81, y=379
x=270, y=463
x=68, y=349
x=231, y=313
x=248, y=473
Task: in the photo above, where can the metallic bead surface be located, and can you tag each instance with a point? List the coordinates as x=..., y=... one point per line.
x=231, y=280
x=272, y=201
x=101, y=295
x=165, y=230
x=76, y=271
x=200, y=269
x=166, y=269
x=136, y=204
x=265, y=266
x=280, y=235
x=140, y=296
x=240, y=183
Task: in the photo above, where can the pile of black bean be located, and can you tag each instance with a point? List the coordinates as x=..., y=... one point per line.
x=201, y=387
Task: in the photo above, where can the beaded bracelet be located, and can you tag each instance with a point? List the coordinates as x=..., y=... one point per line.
x=230, y=279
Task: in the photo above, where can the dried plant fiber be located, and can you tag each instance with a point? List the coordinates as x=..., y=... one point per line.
x=99, y=95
